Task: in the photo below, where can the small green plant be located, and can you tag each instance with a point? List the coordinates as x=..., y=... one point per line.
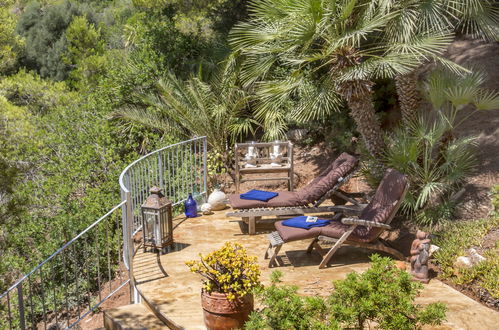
x=228, y=270
x=436, y=170
x=383, y=295
x=455, y=239
x=285, y=309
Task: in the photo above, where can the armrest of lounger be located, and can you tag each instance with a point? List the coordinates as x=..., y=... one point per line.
x=361, y=222
x=350, y=210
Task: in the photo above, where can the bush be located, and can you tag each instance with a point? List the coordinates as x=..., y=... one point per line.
x=285, y=309
x=36, y=94
x=428, y=150
x=435, y=170
x=43, y=28
x=383, y=294
x=228, y=270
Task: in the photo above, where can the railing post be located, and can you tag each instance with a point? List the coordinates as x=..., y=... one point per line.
x=205, y=166
x=134, y=297
x=20, y=298
x=160, y=171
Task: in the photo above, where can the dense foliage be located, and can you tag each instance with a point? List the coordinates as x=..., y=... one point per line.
x=383, y=295
x=436, y=160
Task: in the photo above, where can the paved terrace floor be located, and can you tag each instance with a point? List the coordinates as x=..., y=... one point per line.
x=175, y=292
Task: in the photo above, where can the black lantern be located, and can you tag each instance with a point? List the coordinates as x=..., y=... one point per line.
x=157, y=225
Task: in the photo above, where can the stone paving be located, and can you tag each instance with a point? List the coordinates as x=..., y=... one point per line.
x=175, y=292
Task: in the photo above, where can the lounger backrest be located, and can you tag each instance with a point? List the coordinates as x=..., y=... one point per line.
x=340, y=168
x=385, y=203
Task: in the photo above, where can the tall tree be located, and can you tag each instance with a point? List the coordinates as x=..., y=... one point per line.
x=337, y=46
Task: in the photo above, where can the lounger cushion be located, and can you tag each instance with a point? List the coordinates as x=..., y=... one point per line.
x=335, y=229
x=312, y=192
x=379, y=210
x=382, y=205
x=285, y=198
x=340, y=168
x=289, y=234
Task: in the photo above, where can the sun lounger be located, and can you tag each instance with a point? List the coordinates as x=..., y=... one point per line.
x=362, y=232
x=306, y=200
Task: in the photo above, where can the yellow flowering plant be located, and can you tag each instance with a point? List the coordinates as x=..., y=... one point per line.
x=228, y=270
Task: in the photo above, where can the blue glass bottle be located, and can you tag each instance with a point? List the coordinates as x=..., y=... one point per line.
x=191, y=208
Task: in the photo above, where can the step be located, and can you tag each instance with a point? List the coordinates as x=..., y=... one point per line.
x=131, y=317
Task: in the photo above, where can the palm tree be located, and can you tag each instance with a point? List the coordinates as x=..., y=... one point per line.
x=312, y=53
x=476, y=17
x=189, y=108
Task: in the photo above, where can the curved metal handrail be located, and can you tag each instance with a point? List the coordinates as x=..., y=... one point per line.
x=130, y=225
x=122, y=175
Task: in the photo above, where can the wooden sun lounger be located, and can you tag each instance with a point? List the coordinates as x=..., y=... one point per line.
x=276, y=241
x=251, y=216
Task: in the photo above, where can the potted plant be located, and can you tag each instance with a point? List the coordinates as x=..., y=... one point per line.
x=230, y=276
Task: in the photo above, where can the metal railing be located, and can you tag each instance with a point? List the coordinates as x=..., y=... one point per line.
x=72, y=282
x=178, y=169
x=87, y=270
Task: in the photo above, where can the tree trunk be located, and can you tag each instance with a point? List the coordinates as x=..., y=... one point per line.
x=408, y=95
x=358, y=95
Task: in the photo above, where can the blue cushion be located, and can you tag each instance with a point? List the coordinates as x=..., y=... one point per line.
x=300, y=222
x=258, y=195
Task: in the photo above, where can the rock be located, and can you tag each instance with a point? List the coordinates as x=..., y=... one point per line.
x=463, y=262
x=206, y=208
x=296, y=134
x=475, y=257
x=433, y=249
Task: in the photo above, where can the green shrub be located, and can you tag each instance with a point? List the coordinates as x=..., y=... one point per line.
x=44, y=27
x=435, y=170
x=428, y=150
x=383, y=294
x=284, y=309
x=455, y=239
x=36, y=94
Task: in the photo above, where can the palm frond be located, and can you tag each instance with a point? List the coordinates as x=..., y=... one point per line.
x=486, y=100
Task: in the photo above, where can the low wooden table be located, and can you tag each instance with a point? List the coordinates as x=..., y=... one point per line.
x=263, y=161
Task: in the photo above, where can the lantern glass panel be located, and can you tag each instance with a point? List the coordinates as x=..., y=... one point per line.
x=152, y=234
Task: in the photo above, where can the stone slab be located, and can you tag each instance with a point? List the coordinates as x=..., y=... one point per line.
x=167, y=283
x=132, y=317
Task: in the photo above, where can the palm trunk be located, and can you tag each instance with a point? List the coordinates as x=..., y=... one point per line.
x=358, y=95
x=408, y=95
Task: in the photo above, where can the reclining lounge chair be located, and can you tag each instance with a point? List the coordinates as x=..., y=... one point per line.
x=361, y=232
x=306, y=200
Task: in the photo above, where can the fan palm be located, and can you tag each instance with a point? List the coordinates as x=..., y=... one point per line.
x=193, y=108
x=427, y=150
x=476, y=17
x=305, y=58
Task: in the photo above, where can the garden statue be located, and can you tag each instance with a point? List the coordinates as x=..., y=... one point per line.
x=276, y=155
x=251, y=156
x=420, y=253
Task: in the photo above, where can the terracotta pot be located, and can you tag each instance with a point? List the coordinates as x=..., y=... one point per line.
x=221, y=314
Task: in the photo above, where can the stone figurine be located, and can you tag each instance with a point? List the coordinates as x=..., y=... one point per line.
x=420, y=254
